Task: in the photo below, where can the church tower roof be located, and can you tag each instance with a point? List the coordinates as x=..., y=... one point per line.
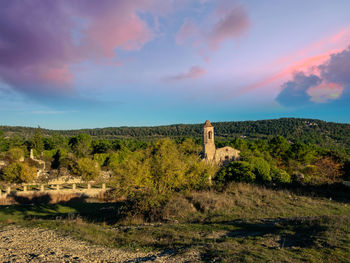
x=207, y=124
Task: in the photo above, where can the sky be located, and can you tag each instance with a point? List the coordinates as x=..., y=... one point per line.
x=73, y=64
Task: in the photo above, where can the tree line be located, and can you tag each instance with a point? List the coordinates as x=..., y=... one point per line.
x=318, y=132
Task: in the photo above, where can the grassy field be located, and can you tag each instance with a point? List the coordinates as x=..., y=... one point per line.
x=244, y=223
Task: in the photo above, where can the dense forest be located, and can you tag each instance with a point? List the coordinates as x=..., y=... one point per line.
x=318, y=132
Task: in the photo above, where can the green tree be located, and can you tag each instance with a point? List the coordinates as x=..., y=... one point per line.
x=88, y=169
x=280, y=176
x=261, y=169
x=101, y=146
x=3, y=143
x=15, y=141
x=101, y=158
x=148, y=177
x=278, y=146
x=81, y=144
x=55, y=141
x=58, y=157
x=239, y=171
x=38, y=143
x=304, y=153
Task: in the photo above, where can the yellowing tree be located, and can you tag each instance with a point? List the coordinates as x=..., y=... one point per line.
x=88, y=169
x=16, y=154
x=19, y=173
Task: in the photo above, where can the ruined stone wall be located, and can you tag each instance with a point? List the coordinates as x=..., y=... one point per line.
x=226, y=154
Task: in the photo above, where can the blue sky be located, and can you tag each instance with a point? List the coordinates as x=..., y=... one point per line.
x=67, y=65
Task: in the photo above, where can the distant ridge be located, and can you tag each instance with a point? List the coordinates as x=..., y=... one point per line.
x=304, y=130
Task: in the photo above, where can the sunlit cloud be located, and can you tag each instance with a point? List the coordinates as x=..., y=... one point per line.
x=301, y=60
x=325, y=92
x=332, y=80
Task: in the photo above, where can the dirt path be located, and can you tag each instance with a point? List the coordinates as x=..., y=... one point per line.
x=18, y=244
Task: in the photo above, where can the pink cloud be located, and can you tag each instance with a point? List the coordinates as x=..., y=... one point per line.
x=302, y=60
x=228, y=21
x=37, y=50
x=233, y=23
x=332, y=82
x=193, y=72
x=188, y=30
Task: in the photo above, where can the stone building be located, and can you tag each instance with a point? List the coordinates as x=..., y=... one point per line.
x=213, y=155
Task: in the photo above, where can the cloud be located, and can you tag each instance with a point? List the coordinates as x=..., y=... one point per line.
x=40, y=40
x=294, y=93
x=233, y=23
x=325, y=92
x=306, y=59
x=193, y=72
x=337, y=69
x=188, y=30
x=331, y=83
x=229, y=20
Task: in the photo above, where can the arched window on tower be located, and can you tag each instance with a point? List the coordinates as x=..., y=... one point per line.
x=210, y=135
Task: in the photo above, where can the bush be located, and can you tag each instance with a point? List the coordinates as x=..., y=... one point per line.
x=19, y=173
x=16, y=154
x=88, y=169
x=261, y=169
x=148, y=204
x=280, y=176
x=239, y=171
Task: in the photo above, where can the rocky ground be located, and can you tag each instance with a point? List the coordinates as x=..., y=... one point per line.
x=18, y=244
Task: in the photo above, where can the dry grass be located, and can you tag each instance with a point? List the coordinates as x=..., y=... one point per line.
x=241, y=200
x=245, y=223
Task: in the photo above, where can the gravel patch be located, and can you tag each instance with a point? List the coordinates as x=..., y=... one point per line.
x=19, y=244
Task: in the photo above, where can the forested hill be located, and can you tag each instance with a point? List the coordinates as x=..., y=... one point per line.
x=304, y=130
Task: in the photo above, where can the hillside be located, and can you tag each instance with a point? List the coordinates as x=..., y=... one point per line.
x=304, y=130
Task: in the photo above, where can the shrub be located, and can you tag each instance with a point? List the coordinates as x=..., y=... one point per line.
x=280, y=176
x=19, y=173
x=88, y=169
x=148, y=204
x=16, y=154
x=261, y=169
x=239, y=171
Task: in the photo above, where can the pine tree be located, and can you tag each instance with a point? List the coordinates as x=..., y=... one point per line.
x=38, y=143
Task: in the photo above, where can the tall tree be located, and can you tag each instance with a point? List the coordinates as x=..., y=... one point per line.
x=38, y=143
x=81, y=144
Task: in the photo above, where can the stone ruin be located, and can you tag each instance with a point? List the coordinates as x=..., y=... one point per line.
x=220, y=156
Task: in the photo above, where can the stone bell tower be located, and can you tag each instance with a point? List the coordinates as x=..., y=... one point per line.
x=208, y=141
